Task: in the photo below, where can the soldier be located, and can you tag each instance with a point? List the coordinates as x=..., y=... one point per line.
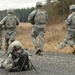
x=38, y=18
x=70, y=22
x=1, y=30
x=17, y=58
x=0, y=37
x=10, y=22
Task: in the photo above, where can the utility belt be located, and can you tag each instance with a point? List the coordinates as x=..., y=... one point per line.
x=11, y=28
x=39, y=25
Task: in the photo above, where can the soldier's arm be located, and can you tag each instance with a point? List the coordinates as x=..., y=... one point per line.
x=46, y=16
x=9, y=51
x=3, y=21
x=69, y=20
x=17, y=20
x=31, y=15
x=9, y=58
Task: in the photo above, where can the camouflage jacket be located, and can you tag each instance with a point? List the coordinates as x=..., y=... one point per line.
x=70, y=22
x=10, y=21
x=36, y=23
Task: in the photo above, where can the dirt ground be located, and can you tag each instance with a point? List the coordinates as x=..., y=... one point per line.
x=49, y=64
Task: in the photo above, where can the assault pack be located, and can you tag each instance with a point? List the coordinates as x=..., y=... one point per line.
x=11, y=21
x=40, y=17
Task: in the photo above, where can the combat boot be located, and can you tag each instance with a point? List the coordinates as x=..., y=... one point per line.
x=39, y=52
x=0, y=47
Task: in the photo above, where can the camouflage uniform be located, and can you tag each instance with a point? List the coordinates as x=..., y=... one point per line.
x=10, y=22
x=1, y=30
x=70, y=22
x=8, y=63
x=38, y=29
x=0, y=36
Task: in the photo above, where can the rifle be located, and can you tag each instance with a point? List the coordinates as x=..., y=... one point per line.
x=31, y=65
x=23, y=64
x=32, y=20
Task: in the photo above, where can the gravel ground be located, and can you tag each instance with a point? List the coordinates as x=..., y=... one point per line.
x=48, y=64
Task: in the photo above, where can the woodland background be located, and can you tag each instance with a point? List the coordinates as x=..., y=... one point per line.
x=56, y=29
x=57, y=10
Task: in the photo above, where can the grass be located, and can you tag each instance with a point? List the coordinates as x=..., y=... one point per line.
x=54, y=34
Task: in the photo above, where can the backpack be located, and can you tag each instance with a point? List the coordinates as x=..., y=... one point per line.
x=40, y=16
x=10, y=21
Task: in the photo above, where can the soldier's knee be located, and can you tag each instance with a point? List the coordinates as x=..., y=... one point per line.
x=41, y=34
x=33, y=35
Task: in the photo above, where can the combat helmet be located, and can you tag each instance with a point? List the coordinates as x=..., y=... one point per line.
x=15, y=45
x=10, y=11
x=72, y=7
x=38, y=3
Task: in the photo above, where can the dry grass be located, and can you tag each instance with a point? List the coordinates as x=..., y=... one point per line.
x=53, y=36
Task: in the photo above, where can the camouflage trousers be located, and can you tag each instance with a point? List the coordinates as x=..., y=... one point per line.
x=70, y=40
x=0, y=38
x=9, y=36
x=38, y=32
